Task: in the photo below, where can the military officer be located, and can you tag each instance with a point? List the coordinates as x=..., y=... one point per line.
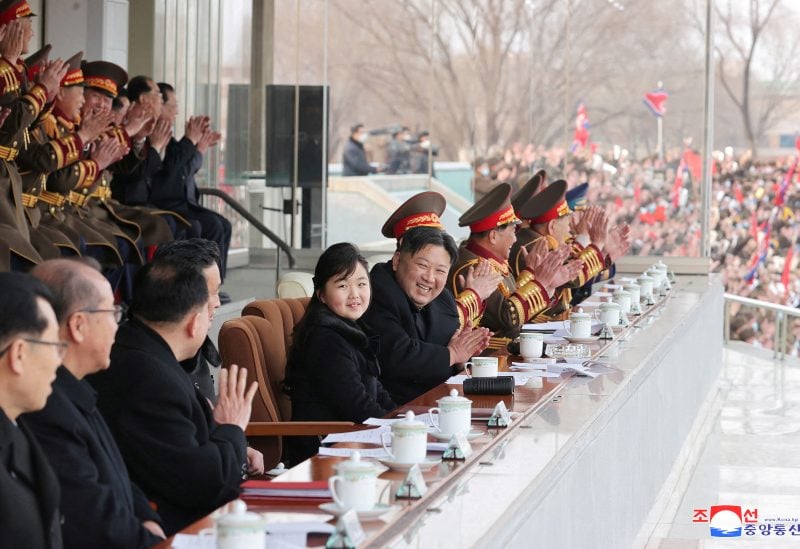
x=518, y=299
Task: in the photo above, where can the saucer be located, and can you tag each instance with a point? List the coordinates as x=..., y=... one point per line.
x=590, y=339
x=399, y=466
x=473, y=434
x=333, y=508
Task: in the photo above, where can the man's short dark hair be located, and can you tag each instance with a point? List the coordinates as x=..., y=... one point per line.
x=165, y=291
x=137, y=86
x=198, y=252
x=355, y=128
x=163, y=87
x=70, y=289
x=417, y=238
x=21, y=314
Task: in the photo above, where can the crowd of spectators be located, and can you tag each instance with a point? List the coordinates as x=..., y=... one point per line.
x=753, y=219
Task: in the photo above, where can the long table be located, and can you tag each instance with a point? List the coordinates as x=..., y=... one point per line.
x=583, y=460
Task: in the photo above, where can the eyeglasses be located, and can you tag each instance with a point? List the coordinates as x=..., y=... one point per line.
x=61, y=346
x=118, y=311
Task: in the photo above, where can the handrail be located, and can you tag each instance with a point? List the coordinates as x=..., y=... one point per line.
x=241, y=210
x=782, y=312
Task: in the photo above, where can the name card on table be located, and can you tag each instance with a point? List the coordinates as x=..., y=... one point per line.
x=458, y=449
x=349, y=533
x=413, y=487
x=501, y=417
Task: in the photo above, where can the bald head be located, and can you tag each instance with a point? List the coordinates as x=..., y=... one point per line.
x=75, y=285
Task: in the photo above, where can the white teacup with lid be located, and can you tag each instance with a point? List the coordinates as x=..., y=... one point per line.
x=580, y=324
x=353, y=485
x=609, y=313
x=658, y=278
x=453, y=415
x=240, y=529
x=635, y=291
x=645, y=286
x=623, y=298
x=409, y=440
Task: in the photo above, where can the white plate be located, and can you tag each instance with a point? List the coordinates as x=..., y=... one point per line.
x=473, y=434
x=591, y=339
x=398, y=466
x=333, y=508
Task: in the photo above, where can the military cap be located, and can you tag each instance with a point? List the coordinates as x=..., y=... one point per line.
x=576, y=197
x=547, y=205
x=74, y=76
x=35, y=61
x=529, y=189
x=104, y=77
x=492, y=211
x=11, y=10
x=421, y=210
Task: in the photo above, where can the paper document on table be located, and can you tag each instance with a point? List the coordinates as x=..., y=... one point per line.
x=533, y=369
x=192, y=541
x=520, y=378
x=377, y=453
x=424, y=418
x=543, y=326
x=370, y=436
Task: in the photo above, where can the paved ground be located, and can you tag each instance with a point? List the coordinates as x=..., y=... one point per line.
x=750, y=458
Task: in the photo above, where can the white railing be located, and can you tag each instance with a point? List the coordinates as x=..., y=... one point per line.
x=782, y=316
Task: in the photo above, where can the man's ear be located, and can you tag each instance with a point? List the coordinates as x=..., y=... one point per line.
x=16, y=353
x=76, y=328
x=395, y=260
x=193, y=324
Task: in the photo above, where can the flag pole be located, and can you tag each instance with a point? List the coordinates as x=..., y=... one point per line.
x=660, y=125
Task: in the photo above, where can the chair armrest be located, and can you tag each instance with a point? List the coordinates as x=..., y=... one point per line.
x=300, y=428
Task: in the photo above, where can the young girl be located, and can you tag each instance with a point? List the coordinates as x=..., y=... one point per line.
x=332, y=370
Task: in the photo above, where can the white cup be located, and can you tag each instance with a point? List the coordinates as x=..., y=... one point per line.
x=354, y=485
x=580, y=324
x=453, y=415
x=645, y=286
x=531, y=344
x=409, y=440
x=240, y=529
x=608, y=313
x=635, y=292
x=482, y=366
x=623, y=298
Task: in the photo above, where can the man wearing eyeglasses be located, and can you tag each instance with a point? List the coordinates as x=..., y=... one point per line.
x=101, y=507
x=30, y=353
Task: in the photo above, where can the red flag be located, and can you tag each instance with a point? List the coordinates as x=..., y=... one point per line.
x=694, y=163
x=787, y=268
x=737, y=193
x=656, y=102
x=581, y=136
x=676, y=188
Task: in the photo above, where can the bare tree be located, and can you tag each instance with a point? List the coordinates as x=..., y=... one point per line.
x=742, y=35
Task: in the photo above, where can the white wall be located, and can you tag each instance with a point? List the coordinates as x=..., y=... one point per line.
x=99, y=28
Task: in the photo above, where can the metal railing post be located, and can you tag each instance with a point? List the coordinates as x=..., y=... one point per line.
x=783, y=316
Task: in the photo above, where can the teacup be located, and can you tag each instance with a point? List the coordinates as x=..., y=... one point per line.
x=623, y=298
x=531, y=344
x=609, y=313
x=580, y=324
x=353, y=487
x=409, y=440
x=453, y=415
x=635, y=291
x=645, y=286
x=482, y=366
x=240, y=529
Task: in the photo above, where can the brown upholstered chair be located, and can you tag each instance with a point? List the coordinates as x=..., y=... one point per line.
x=258, y=342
